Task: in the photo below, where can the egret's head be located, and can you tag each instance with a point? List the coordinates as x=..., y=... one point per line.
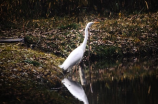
x=90, y=24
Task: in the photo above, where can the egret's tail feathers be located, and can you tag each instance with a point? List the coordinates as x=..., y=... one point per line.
x=60, y=66
x=64, y=71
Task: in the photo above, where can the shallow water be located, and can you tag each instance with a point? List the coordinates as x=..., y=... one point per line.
x=137, y=91
x=131, y=80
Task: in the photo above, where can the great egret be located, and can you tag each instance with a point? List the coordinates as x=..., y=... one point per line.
x=76, y=55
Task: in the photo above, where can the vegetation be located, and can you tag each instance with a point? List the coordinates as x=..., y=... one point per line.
x=132, y=34
x=51, y=31
x=23, y=9
x=26, y=74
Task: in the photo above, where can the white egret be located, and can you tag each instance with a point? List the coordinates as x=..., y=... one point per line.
x=76, y=55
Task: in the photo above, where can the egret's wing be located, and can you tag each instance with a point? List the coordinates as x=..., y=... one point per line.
x=74, y=58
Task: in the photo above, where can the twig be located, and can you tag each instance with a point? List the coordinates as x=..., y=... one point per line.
x=57, y=88
x=146, y=5
x=152, y=46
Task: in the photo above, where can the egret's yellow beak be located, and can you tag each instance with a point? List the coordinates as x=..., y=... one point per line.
x=96, y=22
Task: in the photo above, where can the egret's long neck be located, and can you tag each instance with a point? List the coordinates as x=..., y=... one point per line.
x=85, y=39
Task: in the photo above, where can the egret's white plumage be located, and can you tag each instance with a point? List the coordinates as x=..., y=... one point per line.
x=76, y=55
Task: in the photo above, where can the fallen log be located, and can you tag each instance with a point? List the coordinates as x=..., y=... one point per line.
x=11, y=40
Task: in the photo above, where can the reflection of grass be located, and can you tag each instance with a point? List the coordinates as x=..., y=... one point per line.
x=128, y=69
x=142, y=90
x=107, y=63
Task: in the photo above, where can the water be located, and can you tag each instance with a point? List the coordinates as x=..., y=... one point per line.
x=131, y=80
x=137, y=91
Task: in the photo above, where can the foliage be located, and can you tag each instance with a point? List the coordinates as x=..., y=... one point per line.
x=27, y=76
x=108, y=51
x=35, y=63
x=14, y=10
x=68, y=26
x=132, y=34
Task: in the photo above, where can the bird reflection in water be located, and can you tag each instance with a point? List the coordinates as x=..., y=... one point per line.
x=75, y=89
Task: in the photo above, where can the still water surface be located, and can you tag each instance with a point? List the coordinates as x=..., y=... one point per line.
x=131, y=80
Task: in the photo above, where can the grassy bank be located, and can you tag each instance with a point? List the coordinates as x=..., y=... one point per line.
x=122, y=35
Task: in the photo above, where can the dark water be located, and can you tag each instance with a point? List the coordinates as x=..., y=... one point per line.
x=137, y=91
x=131, y=80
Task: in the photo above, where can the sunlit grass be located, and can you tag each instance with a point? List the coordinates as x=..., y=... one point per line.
x=14, y=54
